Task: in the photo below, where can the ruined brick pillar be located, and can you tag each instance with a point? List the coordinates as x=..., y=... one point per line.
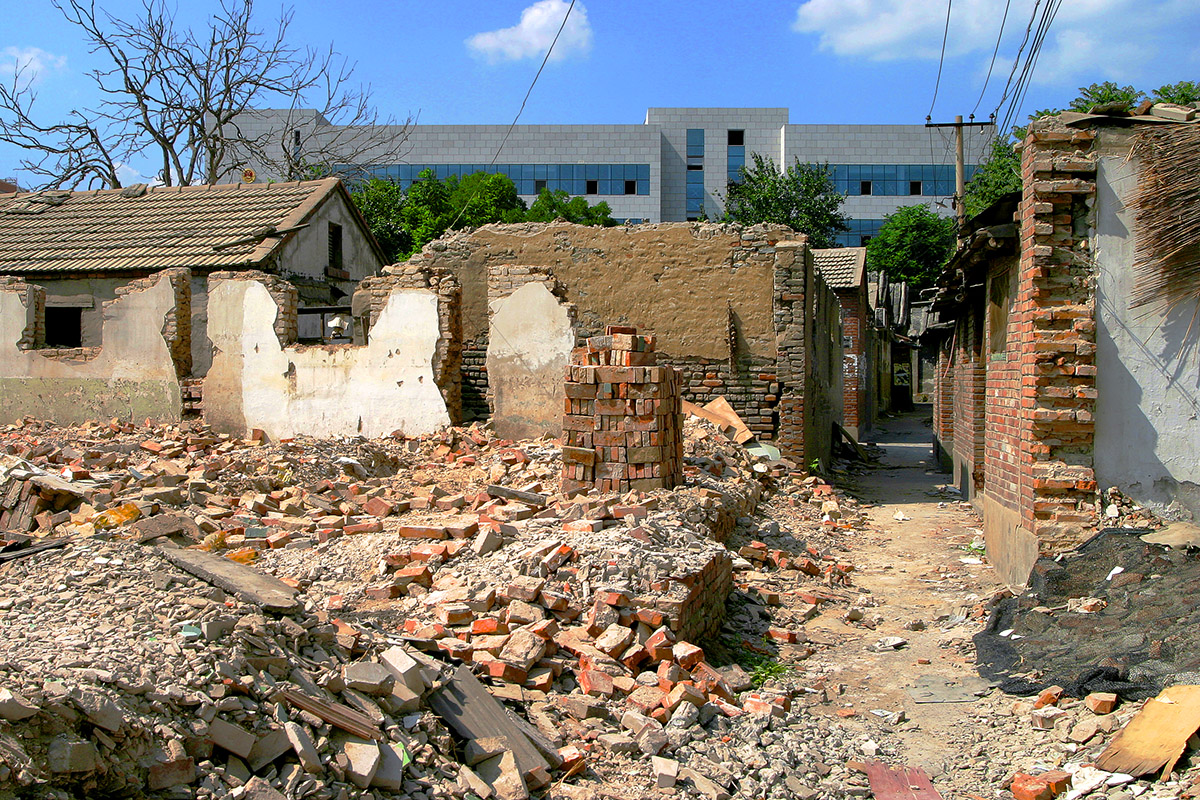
x=1056, y=312
x=621, y=427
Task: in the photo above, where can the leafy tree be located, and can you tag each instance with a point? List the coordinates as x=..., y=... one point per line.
x=1099, y=94
x=480, y=198
x=1184, y=93
x=802, y=197
x=913, y=245
x=996, y=177
x=382, y=205
x=171, y=93
x=550, y=206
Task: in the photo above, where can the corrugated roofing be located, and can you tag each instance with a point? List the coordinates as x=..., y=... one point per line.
x=841, y=267
x=146, y=229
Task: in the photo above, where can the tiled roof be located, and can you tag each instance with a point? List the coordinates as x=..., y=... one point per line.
x=147, y=229
x=841, y=267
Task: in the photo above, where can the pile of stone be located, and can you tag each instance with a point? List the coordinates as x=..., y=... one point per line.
x=621, y=427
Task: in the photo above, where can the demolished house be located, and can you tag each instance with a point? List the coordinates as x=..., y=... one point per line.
x=845, y=271
x=82, y=248
x=1067, y=335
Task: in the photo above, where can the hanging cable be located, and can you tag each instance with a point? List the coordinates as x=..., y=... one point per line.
x=995, y=51
x=941, y=58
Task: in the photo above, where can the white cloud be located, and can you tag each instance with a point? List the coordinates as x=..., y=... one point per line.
x=31, y=62
x=1112, y=39
x=531, y=37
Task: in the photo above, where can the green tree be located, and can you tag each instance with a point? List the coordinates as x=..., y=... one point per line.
x=996, y=177
x=1184, y=93
x=480, y=198
x=550, y=206
x=1099, y=94
x=913, y=245
x=802, y=197
x=382, y=203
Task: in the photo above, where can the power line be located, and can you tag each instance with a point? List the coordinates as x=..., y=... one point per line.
x=1017, y=59
x=995, y=50
x=520, y=110
x=1049, y=12
x=941, y=59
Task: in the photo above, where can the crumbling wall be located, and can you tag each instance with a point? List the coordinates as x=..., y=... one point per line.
x=372, y=296
x=707, y=291
x=824, y=374
x=134, y=373
x=260, y=379
x=1148, y=358
x=968, y=379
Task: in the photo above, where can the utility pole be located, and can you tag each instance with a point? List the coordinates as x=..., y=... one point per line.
x=960, y=179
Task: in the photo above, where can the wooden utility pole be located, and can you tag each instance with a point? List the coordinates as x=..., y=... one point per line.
x=960, y=178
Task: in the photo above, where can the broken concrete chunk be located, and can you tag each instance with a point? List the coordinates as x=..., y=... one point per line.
x=501, y=773
x=68, y=754
x=100, y=710
x=468, y=781
x=392, y=760
x=666, y=771
x=484, y=748
x=258, y=789
x=165, y=774
x=302, y=744
x=368, y=677
x=230, y=737
x=404, y=667
x=524, y=649
x=268, y=748
x=15, y=707
x=363, y=758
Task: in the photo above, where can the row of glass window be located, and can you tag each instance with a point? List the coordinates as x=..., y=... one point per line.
x=895, y=179
x=575, y=179
x=736, y=160
x=861, y=231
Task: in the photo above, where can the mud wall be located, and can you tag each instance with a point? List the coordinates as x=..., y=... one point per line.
x=132, y=374
x=259, y=379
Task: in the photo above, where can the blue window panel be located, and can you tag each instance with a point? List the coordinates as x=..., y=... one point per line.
x=694, y=191
x=629, y=172
x=540, y=172
x=643, y=172
x=604, y=172
x=591, y=172
x=643, y=186
x=695, y=142
x=695, y=206
x=578, y=186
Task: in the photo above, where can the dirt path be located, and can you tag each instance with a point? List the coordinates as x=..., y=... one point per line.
x=919, y=572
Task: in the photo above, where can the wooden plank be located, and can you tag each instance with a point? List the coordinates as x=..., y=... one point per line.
x=721, y=414
x=467, y=707
x=1157, y=734
x=514, y=494
x=24, y=552
x=248, y=584
x=902, y=783
x=344, y=717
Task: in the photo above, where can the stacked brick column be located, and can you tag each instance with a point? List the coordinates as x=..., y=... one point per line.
x=791, y=327
x=621, y=429
x=1055, y=311
x=943, y=404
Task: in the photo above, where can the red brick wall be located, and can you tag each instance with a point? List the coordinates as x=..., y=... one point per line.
x=854, y=385
x=1003, y=450
x=943, y=404
x=969, y=381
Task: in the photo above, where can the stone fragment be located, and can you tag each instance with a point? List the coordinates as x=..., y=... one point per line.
x=484, y=748
x=523, y=649
x=258, y=789
x=363, y=759
x=1101, y=702
x=615, y=639
x=406, y=668
x=706, y=787
x=390, y=774
x=165, y=774
x=231, y=737
x=68, y=754
x=100, y=710
x=15, y=707
x=303, y=745
x=618, y=743
x=268, y=748
x=502, y=775
x=368, y=677
x=468, y=781
x=666, y=771
x=487, y=541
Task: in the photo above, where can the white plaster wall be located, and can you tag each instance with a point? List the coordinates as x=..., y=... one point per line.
x=374, y=390
x=307, y=253
x=530, y=339
x=132, y=377
x=1148, y=378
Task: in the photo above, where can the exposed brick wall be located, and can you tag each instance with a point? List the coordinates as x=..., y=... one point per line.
x=764, y=385
x=854, y=329
x=1055, y=309
x=969, y=387
x=943, y=404
x=177, y=324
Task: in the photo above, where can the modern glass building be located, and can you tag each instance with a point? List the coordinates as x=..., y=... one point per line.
x=675, y=165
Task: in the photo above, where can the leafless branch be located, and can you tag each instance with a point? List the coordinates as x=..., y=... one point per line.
x=182, y=96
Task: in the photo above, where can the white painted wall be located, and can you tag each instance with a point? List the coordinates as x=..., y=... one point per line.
x=132, y=377
x=1148, y=378
x=374, y=390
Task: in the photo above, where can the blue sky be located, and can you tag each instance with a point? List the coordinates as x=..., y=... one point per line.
x=829, y=61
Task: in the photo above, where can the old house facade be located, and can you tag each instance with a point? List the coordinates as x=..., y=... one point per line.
x=1071, y=366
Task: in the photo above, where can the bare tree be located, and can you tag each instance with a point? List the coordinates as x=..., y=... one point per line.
x=184, y=97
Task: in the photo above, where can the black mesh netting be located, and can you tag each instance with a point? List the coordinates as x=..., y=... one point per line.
x=1147, y=637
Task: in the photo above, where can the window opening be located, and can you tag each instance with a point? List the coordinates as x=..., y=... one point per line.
x=64, y=326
